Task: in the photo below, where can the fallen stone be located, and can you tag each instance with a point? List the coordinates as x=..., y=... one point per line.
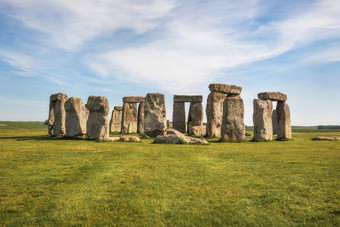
x=129, y=118
x=76, y=117
x=273, y=96
x=199, y=130
x=133, y=99
x=226, y=89
x=195, y=117
x=112, y=139
x=188, y=98
x=154, y=115
x=57, y=114
x=284, y=128
x=326, y=138
x=116, y=119
x=262, y=118
x=129, y=139
x=214, y=113
x=175, y=137
x=179, y=117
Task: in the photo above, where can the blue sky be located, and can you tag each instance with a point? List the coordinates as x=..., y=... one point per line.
x=117, y=48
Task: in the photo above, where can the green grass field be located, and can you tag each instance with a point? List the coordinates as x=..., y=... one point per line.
x=56, y=181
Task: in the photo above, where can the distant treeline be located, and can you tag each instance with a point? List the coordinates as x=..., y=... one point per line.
x=328, y=126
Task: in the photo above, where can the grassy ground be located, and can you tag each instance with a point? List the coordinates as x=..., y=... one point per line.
x=56, y=181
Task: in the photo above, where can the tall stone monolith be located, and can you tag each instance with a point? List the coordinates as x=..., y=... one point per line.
x=233, y=119
x=57, y=114
x=275, y=122
x=195, y=117
x=76, y=117
x=262, y=118
x=98, y=122
x=214, y=112
x=154, y=115
x=129, y=118
x=179, y=117
x=140, y=119
x=116, y=119
x=284, y=129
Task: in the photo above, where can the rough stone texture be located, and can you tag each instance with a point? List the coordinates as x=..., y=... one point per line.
x=326, y=138
x=178, y=117
x=262, y=119
x=154, y=115
x=199, y=130
x=284, y=129
x=116, y=119
x=195, y=117
x=129, y=118
x=214, y=112
x=168, y=124
x=57, y=114
x=112, y=138
x=129, y=139
x=226, y=89
x=175, y=137
x=274, y=96
x=275, y=122
x=140, y=119
x=98, y=122
x=133, y=99
x=76, y=117
x=233, y=119
x=188, y=98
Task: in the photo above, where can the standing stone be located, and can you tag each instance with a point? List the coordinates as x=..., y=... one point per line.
x=214, y=112
x=275, y=123
x=140, y=120
x=57, y=115
x=233, y=118
x=116, y=119
x=195, y=117
x=154, y=115
x=284, y=129
x=178, y=117
x=129, y=118
x=76, y=117
x=98, y=122
x=262, y=118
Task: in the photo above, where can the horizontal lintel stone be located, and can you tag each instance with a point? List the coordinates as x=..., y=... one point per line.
x=118, y=108
x=134, y=99
x=226, y=89
x=273, y=96
x=188, y=98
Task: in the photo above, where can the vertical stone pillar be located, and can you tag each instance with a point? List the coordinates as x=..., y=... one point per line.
x=214, y=112
x=262, y=118
x=140, y=120
x=76, y=117
x=57, y=114
x=195, y=117
x=275, y=123
x=154, y=115
x=116, y=119
x=129, y=118
x=98, y=122
x=233, y=119
x=178, y=117
x=284, y=130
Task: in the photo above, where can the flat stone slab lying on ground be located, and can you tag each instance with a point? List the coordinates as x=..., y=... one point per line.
x=175, y=137
x=326, y=138
x=118, y=108
x=129, y=139
x=273, y=96
x=226, y=89
x=134, y=99
x=188, y=98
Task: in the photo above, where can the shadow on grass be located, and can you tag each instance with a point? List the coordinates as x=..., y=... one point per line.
x=42, y=137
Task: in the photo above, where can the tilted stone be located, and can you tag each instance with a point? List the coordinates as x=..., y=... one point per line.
x=275, y=122
x=57, y=114
x=179, y=117
x=195, y=117
x=140, y=119
x=233, y=119
x=118, y=108
x=262, y=118
x=98, y=122
x=129, y=118
x=273, y=96
x=188, y=98
x=134, y=99
x=226, y=89
x=284, y=129
x=76, y=117
x=214, y=113
x=116, y=120
x=154, y=115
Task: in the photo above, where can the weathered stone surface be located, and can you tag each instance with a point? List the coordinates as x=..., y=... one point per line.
x=57, y=114
x=233, y=119
x=326, y=138
x=273, y=96
x=179, y=117
x=98, y=122
x=284, y=129
x=168, y=124
x=129, y=118
x=175, y=137
x=199, y=130
x=134, y=99
x=76, y=117
x=214, y=112
x=140, y=119
x=116, y=120
x=129, y=139
x=118, y=108
x=112, y=139
x=275, y=122
x=195, y=117
x=225, y=89
x=262, y=119
x=154, y=115
x=188, y=98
